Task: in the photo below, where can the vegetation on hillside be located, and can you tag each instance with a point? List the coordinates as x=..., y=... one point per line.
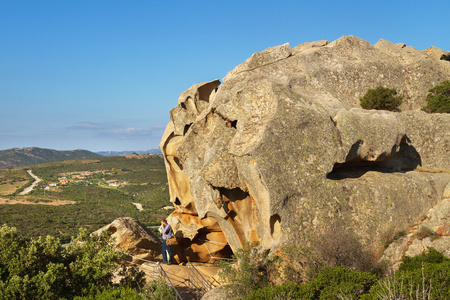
x=142, y=180
x=253, y=276
x=438, y=98
x=42, y=269
x=17, y=157
x=381, y=98
x=13, y=181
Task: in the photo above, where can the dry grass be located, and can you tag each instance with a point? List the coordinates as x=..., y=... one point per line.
x=9, y=188
x=391, y=234
x=26, y=201
x=420, y=169
x=390, y=290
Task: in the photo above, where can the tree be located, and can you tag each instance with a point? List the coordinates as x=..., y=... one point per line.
x=438, y=98
x=381, y=98
x=43, y=269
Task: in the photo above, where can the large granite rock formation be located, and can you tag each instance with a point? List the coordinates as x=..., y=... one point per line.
x=282, y=147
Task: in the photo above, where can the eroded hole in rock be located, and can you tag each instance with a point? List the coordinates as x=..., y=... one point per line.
x=232, y=214
x=174, y=163
x=177, y=161
x=177, y=201
x=204, y=92
x=213, y=248
x=186, y=128
x=112, y=229
x=229, y=123
x=232, y=124
x=231, y=194
x=405, y=159
x=275, y=226
x=190, y=207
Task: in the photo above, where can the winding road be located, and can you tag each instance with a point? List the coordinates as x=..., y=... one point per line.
x=31, y=187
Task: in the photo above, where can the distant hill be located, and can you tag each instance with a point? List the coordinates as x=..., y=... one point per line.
x=18, y=157
x=117, y=153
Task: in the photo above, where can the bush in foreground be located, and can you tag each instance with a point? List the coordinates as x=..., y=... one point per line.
x=42, y=269
x=158, y=290
x=112, y=293
x=381, y=98
x=249, y=270
x=330, y=283
x=426, y=276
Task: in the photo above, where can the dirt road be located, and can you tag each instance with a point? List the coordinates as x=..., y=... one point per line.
x=31, y=187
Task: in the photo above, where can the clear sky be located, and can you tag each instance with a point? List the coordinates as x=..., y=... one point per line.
x=103, y=74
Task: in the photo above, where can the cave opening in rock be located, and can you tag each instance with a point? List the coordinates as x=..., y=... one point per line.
x=231, y=194
x=232, y=124
x=186, y=128
x=275, y=226
x=405, y=159
x=211, y=244
x=176, y=161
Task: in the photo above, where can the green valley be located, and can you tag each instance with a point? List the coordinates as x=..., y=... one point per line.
x=89, y=192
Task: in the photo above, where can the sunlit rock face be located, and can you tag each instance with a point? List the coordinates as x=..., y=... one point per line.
x=130, y=235
x=282, y=147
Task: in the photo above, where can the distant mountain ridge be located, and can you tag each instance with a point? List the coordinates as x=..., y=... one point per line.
x=19, y=157
x=117, y=153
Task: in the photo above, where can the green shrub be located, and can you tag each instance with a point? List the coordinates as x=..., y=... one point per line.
x=330, y=283
x=341, y=281
x=415, y=262
x=438, y=98
x=428, y=282
x=158, y=290
x=381, y=98
x=248, y=271
x=111, y=293
x=42, y=269
x=426, y=275
x=288, y=290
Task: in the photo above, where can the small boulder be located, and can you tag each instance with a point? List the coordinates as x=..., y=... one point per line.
x=130, y=235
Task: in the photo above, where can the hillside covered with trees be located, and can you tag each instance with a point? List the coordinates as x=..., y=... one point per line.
x=87, y=193
x=18, y=157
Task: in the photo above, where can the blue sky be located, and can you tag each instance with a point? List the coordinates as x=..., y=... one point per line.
x=103, y=75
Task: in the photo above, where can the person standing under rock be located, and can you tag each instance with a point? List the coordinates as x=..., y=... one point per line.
x=167, y=233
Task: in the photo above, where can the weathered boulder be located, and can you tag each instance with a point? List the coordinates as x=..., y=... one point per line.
x=432, y=231
x=130, y=235
x=282, y=148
